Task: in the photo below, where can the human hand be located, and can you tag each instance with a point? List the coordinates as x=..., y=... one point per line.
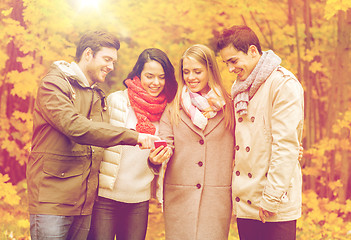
x=146, y=141
x=159, y=155
x=265, y=214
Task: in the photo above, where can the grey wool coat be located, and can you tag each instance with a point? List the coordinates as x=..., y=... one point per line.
x=197, y=185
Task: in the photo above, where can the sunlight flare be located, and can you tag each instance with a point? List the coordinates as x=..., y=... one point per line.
x=89, y=4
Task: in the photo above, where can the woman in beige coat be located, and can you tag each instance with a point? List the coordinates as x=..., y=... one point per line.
x=198, y=125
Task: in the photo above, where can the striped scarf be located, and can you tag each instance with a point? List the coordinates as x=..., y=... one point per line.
x=200, y=108
x=243, y=90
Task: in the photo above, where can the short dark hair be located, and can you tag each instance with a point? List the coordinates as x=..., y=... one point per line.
x=240, y=37
x=96, y=40
x=155, y=54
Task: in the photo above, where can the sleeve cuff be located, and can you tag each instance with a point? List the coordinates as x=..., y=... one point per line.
x=271, y=199
x=155, y=169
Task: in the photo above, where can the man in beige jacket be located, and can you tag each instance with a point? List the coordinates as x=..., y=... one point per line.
x=269, y=112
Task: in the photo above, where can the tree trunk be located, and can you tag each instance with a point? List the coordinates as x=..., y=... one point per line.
x=308, y=80
x=9, y=103
x=339, y=101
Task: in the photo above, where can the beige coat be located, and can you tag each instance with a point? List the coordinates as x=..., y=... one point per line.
x=197, y=187
x=267, y=172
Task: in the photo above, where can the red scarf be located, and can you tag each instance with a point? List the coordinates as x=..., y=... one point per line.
x=147, y=108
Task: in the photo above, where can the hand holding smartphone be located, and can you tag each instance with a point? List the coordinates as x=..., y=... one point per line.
x=160, y=154
x=158, y=143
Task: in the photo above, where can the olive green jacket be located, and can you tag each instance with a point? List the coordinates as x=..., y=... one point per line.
x=70, y=130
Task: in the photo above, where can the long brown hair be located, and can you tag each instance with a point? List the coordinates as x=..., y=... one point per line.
x=155, y=54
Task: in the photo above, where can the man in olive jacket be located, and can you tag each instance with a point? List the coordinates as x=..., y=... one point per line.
x=70, y=130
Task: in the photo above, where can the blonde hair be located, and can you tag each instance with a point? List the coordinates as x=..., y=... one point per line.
x=205, y=56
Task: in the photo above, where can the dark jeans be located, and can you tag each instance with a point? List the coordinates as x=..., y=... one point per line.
x=250, y=229
x=126, y=221
x=55, y=227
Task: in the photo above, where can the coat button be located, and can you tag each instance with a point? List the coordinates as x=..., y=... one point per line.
x=237, y=199
x=266, y=174
x=200, y=163
x=63, y=174
x=247, y=149
x=249, y=202
x=201, y=142
x=250, y=175
x=198, y=185
x=240, y=119
x=237, y=173
x=237, y=147
x=252, y=119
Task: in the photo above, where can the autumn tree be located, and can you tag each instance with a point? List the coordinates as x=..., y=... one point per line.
x=312, y=38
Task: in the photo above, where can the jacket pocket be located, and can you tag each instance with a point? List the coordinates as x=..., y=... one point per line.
x=292, y=199
x=63, y=179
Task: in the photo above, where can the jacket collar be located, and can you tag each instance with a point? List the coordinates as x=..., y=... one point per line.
x=74, y=66
x=73, y=72
x=212, y=123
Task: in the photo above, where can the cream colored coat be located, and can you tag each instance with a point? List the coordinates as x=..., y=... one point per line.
x=119, y=104
x=109, y=167
x=267, y=172
x=197, y=186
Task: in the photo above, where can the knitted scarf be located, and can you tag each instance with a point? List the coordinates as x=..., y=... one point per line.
x=147, y=108
x=200, y=108
x=243, y=91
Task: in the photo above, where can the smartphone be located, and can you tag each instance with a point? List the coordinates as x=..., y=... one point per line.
x=158, y=143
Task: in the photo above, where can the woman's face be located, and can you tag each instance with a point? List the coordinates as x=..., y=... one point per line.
x=153, y=78
x=195, y=75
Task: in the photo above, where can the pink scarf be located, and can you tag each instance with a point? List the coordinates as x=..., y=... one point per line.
x=147, y=108
x=200, y=108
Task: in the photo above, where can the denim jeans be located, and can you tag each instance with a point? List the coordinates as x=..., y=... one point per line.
x=55, y=227
x=250, y=229
x=126, y=221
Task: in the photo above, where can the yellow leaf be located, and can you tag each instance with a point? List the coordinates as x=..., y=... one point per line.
x=316, y=67
x=6, y=12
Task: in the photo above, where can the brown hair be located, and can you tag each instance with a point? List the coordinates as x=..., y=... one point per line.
x=96, y=40
x=155, y=54
x=240, y=37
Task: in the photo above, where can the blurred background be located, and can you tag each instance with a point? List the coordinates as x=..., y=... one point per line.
x=311, y=36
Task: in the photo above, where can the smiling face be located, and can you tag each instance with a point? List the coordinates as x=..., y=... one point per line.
x=239, y=62
x=153, y=78
x=100, y=64
x=195, y=76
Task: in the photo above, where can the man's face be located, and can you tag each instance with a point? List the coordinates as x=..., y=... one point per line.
x=101, y=64
x=239, y=62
